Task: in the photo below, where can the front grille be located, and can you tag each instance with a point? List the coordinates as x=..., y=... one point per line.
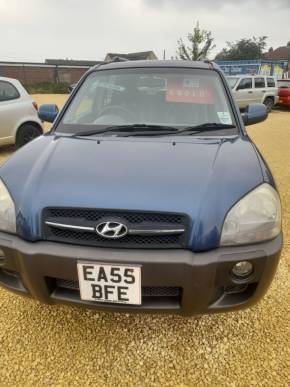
x=91, y=217
x=147, y=291
x=96, y=215
x=161, y=291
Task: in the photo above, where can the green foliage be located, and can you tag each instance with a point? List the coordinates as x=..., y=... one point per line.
x=48, y=88
x=244, y=49
x=200, y=45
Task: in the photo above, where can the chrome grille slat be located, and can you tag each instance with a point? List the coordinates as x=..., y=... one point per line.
x=145, y=229
x=136, y=231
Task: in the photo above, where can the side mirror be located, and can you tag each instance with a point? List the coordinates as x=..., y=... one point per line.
x=254, y=113
x=47, y=112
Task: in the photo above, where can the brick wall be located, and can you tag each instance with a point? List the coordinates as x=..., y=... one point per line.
x=71, y=75
x=33, y=74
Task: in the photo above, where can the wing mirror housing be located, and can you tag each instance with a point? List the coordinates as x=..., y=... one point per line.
x=254, y=113
x=48, y=112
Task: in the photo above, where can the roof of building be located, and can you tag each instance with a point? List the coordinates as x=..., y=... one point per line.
x=53, y=63
x=281, y=53
x=132, y=55
x=72, y=62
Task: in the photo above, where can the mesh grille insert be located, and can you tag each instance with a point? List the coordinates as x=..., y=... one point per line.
x=147, y=291
x=130, y=216
x=91, y=217
x=96, y=240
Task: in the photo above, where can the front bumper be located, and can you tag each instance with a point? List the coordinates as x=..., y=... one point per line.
x=204, y=279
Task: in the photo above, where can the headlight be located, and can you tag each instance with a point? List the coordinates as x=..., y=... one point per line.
x=255, y=218
x=7, y=210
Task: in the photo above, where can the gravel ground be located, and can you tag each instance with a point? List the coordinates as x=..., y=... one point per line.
x=61, y=345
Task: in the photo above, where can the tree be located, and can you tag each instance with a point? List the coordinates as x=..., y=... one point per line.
x=200, y=45
x=252, y=48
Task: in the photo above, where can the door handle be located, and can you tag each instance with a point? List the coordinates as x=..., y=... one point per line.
x=263, y=91
x=250, y=92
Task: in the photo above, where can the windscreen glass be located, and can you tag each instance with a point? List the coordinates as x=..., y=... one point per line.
x=284, y=84
x=232, y=82
x=161, y=96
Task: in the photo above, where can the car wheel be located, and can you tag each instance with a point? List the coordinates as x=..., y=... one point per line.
x=269, y=103
x=27, y=133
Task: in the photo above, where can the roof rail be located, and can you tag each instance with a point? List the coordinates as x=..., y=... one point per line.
x=209, y=62
x=99, y=65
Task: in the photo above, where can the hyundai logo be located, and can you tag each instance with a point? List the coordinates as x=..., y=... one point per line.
x=111, y=230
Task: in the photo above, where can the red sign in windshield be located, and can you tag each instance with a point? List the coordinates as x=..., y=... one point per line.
x=188, y=91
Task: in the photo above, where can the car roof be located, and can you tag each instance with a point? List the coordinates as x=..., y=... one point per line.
x=8, y=79
x=159, y=63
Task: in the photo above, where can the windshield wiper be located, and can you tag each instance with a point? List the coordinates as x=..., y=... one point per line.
x=131, y=128
x=209, y=126
x=134, y=130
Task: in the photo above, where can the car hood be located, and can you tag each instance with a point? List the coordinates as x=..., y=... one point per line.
x=202, y=178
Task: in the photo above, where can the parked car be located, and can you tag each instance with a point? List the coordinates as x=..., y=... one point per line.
x=147, y=195
x=19, y=122
x=284, y=92
x=254, y=89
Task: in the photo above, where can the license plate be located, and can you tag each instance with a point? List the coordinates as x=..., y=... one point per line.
x=102, y=282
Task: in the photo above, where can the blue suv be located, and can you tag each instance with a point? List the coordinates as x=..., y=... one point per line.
x=147, y=195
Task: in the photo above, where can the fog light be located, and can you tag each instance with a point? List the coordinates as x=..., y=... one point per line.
x=242, y=269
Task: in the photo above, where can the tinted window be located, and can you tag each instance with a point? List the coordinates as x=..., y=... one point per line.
x=7, y=91
x=284, y=84
x=271, y=82
x=259, y=83
x=245, y=83
x=161, y=96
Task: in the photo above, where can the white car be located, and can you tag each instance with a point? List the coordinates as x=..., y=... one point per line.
x=249, y=89
x=19, y=122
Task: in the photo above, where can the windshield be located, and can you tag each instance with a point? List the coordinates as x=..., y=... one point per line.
x=284, y=84
x=232, y=82
x=148, y=96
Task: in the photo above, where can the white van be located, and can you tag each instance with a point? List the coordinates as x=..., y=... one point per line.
x=254, y=89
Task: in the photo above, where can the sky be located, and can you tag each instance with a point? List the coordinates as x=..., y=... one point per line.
x=33, y=30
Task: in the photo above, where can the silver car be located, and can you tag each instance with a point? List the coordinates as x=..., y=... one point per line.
x=249, y=89
x=19, y=122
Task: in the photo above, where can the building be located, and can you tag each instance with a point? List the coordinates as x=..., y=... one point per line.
x=144, y=55
x=274, y=62
x=281, y=53
x=29, y=73
x=61, y=70
x=72, y=62
x=277, y=68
